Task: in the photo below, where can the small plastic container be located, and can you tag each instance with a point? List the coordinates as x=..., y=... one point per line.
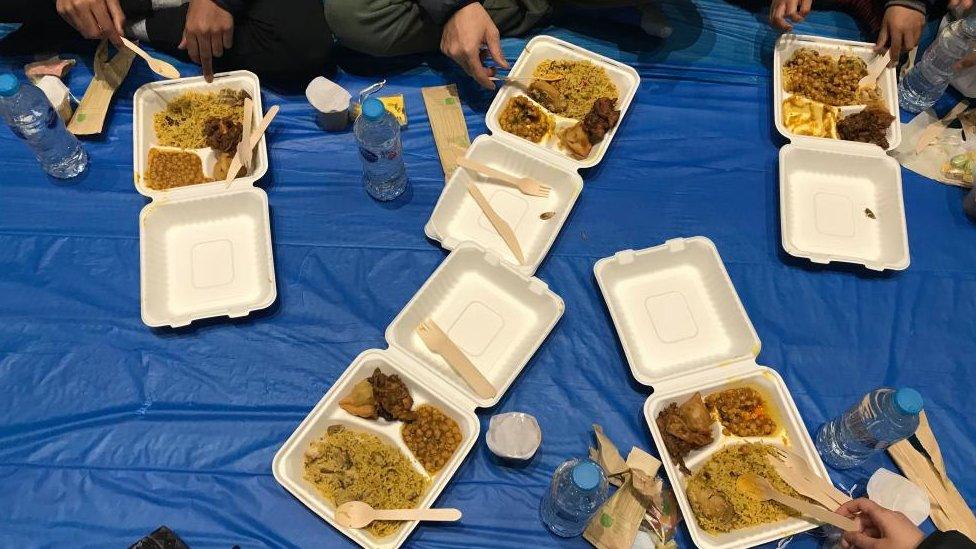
x=684, y=330
x=498, y=316
x=514, y=436
x=840, y=200
x=205, y=249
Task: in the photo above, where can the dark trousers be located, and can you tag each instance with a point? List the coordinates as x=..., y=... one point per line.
x=277, y=39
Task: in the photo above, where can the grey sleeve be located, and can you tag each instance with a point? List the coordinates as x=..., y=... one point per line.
x=917, y=5
x=440, y=11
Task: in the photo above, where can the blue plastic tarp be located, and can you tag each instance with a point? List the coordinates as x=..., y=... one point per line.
x=109, y=429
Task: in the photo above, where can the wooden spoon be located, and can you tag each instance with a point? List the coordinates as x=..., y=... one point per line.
x=358, y=514
x=158, y=66
x=875, y=68
x=808, y=487
x=759, y=488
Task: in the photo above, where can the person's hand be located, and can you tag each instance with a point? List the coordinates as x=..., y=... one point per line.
x=208, y=32
x=880, y=528
x=464, y=34
x=94, y=18
x=960, y=6
x=794, y=10
x=900, y=31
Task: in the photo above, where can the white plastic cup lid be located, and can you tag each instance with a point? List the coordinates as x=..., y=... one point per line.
x=514, y=435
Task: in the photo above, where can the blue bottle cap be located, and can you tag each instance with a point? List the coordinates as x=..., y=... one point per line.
x=586, y=475
x=908, y=400
x=373, y=109
x=8, y=84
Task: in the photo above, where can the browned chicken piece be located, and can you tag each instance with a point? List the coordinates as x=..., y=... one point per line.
x=685, y=428
x=223, y=134
x=392, y=397
x=603, y=116
x=710, y=503
x=547, y=95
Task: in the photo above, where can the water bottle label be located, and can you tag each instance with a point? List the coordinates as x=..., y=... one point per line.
x=368, y=155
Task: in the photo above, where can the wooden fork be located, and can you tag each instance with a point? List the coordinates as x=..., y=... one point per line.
x=440, y=343
x=526, y=185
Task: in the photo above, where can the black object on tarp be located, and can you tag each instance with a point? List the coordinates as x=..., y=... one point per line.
x=161, y=538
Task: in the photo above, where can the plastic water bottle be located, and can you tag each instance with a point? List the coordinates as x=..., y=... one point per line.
x=578, y=489
x=378, y=135
x=31, y=116
x=882, y=418
x=929, y=78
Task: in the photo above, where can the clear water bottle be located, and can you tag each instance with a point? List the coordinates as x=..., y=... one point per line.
x=578, y=489
x=31, y=116
x=882, y=418
x=929, y=78
x=378, y=136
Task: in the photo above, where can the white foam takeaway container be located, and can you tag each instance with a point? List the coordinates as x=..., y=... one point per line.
x=205, y=250
x=499, y=318
x=887, y=82
x=684, y=330
x=457, y=218
x=840, y=200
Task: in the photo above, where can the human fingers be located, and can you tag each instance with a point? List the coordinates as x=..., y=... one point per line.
x=206, y=58
x=805, y=7
x=494, y=43
x=777, y=17
x=793, y=10
x=118, y=16
x=84, y=22
x=897, y=40
x=105, y=23
x=217, y=45
x=192, y=48
x=860, y=540
x=882, y=43
x=228, y=39
x=473, y=66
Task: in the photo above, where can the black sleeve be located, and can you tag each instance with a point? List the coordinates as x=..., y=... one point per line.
x=441, y=10
x=233, y=6
x=924, y=6
x=947, y=540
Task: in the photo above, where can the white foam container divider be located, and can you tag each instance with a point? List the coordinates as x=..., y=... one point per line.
x=842, y=204
x=205, y=250
x=497, y=315
x=543, y=47
x=684, y=330
x=457, y=218
x=887, y=82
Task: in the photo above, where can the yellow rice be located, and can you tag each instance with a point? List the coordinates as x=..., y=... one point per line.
x=347, y=465
x=181, y=123
x=582, y=83
x=720, y=473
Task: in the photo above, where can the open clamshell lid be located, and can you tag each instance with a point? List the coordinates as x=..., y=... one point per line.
x=675, y=310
